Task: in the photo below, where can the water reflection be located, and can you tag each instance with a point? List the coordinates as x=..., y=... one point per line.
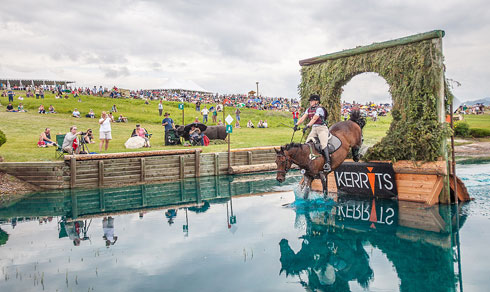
x=419, y=241
x=78, y=207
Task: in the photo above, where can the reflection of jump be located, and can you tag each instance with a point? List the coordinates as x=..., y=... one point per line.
x=330, y=260
x=108, y=227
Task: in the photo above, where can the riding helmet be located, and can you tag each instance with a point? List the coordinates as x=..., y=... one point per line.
x=314, y=97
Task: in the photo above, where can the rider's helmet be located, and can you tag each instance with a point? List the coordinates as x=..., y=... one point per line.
x=314, y=97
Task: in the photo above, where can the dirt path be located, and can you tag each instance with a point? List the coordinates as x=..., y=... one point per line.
x=475, y=149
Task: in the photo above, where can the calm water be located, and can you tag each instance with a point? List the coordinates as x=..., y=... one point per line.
x=245, y=233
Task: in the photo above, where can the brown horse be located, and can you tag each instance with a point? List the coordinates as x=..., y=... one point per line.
x=310, y=160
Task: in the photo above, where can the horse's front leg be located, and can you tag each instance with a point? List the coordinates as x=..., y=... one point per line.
x=307, y=186
x=355, y=153
x=324, y=180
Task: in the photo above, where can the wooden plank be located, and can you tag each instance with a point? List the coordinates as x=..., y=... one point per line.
x=256, y=148
x=101, y=173
x=216, y=164
x=129, y=154
x=253, y=168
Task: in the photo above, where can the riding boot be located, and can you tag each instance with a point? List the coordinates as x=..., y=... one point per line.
x=326, y=167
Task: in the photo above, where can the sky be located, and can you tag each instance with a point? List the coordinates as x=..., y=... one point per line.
x=228, y=46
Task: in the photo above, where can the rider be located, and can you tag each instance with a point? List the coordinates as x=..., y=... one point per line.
x=318, y=124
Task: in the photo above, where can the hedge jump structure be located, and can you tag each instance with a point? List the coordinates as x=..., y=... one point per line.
x=414, y=70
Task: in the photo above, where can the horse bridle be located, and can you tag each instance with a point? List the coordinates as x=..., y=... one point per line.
x=286, y=169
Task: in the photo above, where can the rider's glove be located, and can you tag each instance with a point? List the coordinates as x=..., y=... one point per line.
x=305, y=128
x=295, y=128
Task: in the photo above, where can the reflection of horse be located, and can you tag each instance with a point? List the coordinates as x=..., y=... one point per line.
x=309, y=158
x=330, y=260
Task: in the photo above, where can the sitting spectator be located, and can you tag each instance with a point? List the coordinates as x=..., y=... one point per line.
x=45, y=139
x=250, y=124
x=70, y=143
x=41, y=109
x=10, y=107
x=260, y=124
x=90, y=114
x=114, y=109
x=121, y=119
x=20, y=98
x=265, y=124
x=21, y=109
x=196, y=120
x=196, y=136
x=220, y=123
x=89, y=137
x=146, y=101
x=143, y=133
x=76, y=113
x=51, y=109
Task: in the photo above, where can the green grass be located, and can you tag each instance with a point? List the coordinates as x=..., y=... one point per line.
x=478, y=121
x=23, y=129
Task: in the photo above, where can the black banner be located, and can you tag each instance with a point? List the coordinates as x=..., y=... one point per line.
x=371, y=179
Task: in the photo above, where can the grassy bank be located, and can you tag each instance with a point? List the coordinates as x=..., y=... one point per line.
x=23, y=129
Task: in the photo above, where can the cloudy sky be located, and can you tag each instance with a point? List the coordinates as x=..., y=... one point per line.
x=227, y=46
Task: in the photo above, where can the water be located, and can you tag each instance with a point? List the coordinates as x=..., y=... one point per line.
x=246, y=233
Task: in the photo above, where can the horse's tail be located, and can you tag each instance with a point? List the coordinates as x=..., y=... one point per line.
x=356, y=117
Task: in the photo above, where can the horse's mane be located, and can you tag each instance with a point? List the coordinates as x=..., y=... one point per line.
x=292, y=145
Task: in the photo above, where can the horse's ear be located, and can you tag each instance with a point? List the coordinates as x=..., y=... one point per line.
x=277, y=151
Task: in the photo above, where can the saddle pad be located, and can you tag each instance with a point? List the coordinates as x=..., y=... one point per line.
x=334, y=143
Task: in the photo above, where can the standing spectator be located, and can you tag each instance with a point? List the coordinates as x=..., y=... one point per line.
x=37, y=92
x=375, y=115
x=198, y=106
x=105, y=130
x=215, y=115
x=11, y=95
x=295, y=116
x=160, y=107
x=168, y=123
x=41, y=93
x=205, y=113
x=70, y=143
x=237, y=115
x=108, y=228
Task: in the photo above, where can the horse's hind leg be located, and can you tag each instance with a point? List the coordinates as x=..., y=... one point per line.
x=324, y=180
x=355, y=153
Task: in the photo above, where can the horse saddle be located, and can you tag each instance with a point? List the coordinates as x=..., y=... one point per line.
x=334, y=144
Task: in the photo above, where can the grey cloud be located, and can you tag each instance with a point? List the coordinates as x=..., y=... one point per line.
x=115, y=72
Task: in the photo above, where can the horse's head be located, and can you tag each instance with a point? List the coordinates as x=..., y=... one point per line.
x=283, y=164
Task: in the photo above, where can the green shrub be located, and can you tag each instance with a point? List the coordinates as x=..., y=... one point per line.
x=3, y=138
x=479, y=133
x=461, y=129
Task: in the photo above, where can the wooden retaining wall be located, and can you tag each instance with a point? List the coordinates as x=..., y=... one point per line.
x=118, y=169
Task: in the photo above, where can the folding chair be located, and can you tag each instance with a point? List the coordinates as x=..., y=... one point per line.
x=59, y=153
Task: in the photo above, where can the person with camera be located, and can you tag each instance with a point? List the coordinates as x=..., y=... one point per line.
x=71, y=143
x=88, y=137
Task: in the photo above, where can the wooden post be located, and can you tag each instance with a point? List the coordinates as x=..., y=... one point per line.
x=142, y=168
x=198, y=191
x=216, y=164
x=143, y=195
x=229, y=153
x=73, y=172
x=101, y=173
x=74, y=204
x=181, y=159
x=101, y=200
x=249, y=156
x=198, y=163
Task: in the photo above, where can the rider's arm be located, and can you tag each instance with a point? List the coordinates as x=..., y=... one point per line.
x=302, y=119
x=313, y=120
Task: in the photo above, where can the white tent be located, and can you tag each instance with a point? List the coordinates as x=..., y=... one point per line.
x=180, y=84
